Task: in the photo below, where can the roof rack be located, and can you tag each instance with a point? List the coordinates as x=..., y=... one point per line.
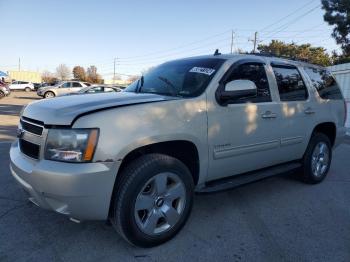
x=279, y=56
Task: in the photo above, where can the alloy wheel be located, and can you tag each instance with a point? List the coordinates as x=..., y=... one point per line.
x=160, y=203
x=320, y=159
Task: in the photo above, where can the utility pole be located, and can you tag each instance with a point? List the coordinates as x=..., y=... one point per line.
x=232, y=35
x=19, y=64
x=255, y=41
x=115, y=60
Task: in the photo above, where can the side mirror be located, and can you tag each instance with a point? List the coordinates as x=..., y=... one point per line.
x=237, y=89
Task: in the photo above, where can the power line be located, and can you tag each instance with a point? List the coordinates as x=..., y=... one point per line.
x=286, y=25
x=289, y=15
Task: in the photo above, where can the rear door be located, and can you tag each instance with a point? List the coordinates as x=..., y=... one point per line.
x=245, y=134
x=297, y=110
x=76, y=87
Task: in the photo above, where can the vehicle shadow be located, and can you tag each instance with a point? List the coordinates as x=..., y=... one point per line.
x=10, y=110
x=28, y=98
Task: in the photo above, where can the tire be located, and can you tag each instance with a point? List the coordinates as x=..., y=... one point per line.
x=2, y=94
x=49, y=94
x=27, y=89
x=317, y=159
x=133, y=218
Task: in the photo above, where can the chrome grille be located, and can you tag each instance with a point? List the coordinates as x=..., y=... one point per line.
x=32, y=128
x=29, y=149
x=30, y=139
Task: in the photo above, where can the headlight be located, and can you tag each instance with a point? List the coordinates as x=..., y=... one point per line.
x=71, y=145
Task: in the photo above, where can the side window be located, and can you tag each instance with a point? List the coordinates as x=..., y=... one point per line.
x=96, y=89
x=324, y=83
x=256, y=73
x=291, y=86
x=76, y=84
x=66, y=85
x=110, y=89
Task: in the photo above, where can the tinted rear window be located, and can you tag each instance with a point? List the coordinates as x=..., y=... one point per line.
x=324, y=83
x=291, y=86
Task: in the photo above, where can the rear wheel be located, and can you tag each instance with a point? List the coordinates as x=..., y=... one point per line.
x=49, y=94
x=27, y=89
x=152, y=200
x=2, y=94
x=317, y=159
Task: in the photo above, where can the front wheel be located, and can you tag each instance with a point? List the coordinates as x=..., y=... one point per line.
x=49, y=94
x=27, y=89
x=317, y=159
x=2, y=94
x=153, y=200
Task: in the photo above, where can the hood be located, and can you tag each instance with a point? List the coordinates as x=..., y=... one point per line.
x=64, y=110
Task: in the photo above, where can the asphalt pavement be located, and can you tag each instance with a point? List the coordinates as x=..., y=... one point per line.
x=276, y=219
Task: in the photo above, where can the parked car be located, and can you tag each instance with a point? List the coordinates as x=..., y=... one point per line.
x=4, y=90
x=96, y=90
x=38, y=85
x=22, y=85
x=199, y=124
x=61, y=88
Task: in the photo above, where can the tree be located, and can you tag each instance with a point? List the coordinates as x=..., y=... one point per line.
x=92, y=75
x=315, y=55
x=79, y=73
x=337, y=13
x=63, y=72
x=47, y=76
x=133, y=78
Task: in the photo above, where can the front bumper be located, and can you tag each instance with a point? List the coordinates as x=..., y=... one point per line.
x=82, y=191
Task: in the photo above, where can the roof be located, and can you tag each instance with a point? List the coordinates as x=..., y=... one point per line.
x=265, y=57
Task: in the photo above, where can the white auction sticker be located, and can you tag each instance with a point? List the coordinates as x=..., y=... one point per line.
x=202, y=70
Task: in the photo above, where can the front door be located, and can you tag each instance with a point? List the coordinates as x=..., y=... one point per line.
x=65, y=88
x=244, y=135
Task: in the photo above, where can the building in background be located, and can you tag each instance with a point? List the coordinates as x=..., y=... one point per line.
x=121, y=82
x=342, y=74
x=28, y=76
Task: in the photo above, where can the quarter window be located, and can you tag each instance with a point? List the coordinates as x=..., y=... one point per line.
x=324, y=83
x=256, y=73
x=290, y=84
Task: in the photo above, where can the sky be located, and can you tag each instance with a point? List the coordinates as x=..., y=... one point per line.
x=140, y=34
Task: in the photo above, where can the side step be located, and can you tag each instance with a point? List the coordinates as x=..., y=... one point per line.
x=238, y=180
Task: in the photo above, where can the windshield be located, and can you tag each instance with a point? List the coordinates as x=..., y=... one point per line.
x=185, y=78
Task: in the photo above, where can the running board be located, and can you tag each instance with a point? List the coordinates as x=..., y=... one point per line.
x=238, y=180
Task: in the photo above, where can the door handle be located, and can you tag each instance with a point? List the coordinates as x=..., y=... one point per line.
x=268, y=115
x=309, y=111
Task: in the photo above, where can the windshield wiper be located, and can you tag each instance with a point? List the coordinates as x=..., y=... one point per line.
x=167, y=81
x=140, y=84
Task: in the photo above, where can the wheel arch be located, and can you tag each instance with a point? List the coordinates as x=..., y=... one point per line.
x=50, y=90
x=327, y=128
x=184, y=150
x=189, y=155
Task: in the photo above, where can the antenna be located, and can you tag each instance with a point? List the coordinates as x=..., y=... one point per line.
x=217, y=52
